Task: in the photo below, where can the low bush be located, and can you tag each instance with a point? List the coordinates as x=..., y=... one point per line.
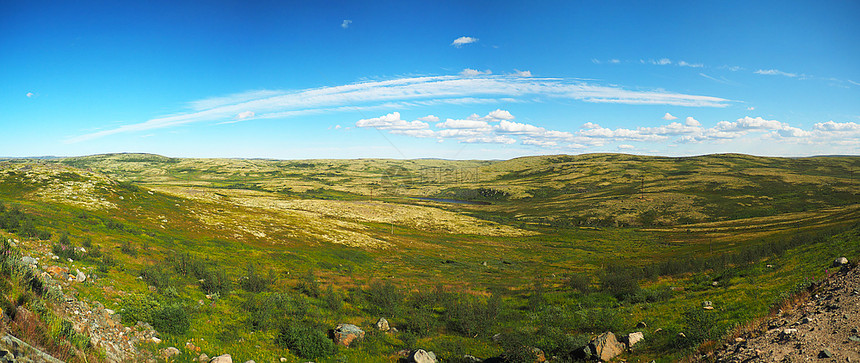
x=171, y=319
x=305, y=341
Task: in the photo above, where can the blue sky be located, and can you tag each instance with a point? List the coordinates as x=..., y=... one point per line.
x=485, y=80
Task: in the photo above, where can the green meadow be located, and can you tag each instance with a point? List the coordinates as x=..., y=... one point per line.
x=261, y=258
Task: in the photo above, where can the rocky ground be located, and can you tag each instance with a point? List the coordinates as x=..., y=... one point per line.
x=823, y=327
x=102, y=325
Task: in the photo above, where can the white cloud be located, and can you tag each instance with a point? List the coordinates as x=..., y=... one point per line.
x=691, y=65
x=461, y=41
x=662, y=61
x=775, y=72
x=29, y=94
x=405, y=93
x=392, y=121
x=346, y=23
x=542, y=143
x=337, y=127
x=590, y=125
x=469, y=72
x=669, y=117
x=499, y=114
x=692, y=122
x=520, y=73
x=750, y=108
x=244, y=114
x=500, y=139
x=429, y=118
x=837, y=126
x=749, y=123
x=464, y=124
x=614, y=61
x=625, y=147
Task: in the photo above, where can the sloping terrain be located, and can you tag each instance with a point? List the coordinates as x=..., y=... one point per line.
x=243, y=256
x=823, y=326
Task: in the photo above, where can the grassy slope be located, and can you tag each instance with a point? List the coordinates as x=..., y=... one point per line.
x=213, y=208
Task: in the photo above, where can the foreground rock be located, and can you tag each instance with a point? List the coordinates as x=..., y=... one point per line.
x=604, y=347
x=224, y=358
x=382, y=325
x=422, y=356
x=345, y=334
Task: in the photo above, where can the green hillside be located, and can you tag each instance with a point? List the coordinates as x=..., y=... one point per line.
x=248, y=256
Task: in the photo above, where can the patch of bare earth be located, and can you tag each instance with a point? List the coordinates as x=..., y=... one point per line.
x=823, y=327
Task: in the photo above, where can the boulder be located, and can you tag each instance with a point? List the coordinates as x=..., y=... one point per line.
x=382, y=325
x=634, y=338
x=81, y=277
x=839, y=262
x=606, y=346
x=224, y=358
x=344, y=334
x=169, y=352
x=202, y=358
x=422, y=356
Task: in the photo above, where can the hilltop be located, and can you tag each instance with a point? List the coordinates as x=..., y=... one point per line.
x=548, y=251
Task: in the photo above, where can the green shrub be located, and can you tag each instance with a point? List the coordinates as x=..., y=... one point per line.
x=383, y=298
x=128, y=249
x=138, y=308
x=156, y=276
x=308, y=285
x=255, y=282
x=471, y=316
x=619, y=283
x=171, y=319
x=579, y=282
x=333, y=300
x=305, y=341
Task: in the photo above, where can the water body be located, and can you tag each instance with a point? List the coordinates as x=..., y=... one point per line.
x=455, y=201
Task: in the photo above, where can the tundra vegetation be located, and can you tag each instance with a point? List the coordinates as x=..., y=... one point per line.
x=262, y=258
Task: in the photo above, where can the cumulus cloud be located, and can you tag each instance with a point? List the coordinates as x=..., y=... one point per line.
x=669, y=117
x=244, y=114
x=625, y=147
x=837, y=126
x=392, y=121
x=29, y=94
x=461, y=41
x=499, y=114
x=775, y=72
x=346, y=23
x=429, y=118
x=469, y=72
x=520, y=73
x=749, y=123
x=692, y=122
x=464, y=124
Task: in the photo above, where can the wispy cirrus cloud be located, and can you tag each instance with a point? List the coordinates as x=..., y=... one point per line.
x=404, y=93
x=775, y=72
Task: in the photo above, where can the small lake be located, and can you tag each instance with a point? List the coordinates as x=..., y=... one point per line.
x=455, y=201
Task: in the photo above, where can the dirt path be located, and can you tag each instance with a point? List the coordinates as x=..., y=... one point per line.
x=823, y=328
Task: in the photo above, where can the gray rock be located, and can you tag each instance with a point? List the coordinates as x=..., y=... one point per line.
x=471, y=359
x=825, y=354
x=422, y=356
x=29, y=260
x=839, y=262
x=382, y=324
x=203, y=358
x=224, y=358
x=81, y=277
x=606, y=346
x=634, y=338
x=169, y=352
x=344, y=334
